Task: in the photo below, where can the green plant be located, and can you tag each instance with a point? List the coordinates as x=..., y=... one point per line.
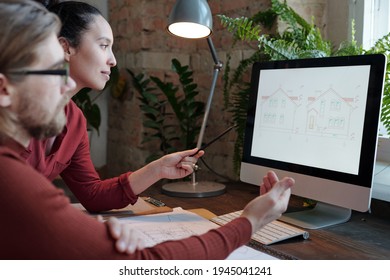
x=299, y=40
x=171, y=116
x=383, y=46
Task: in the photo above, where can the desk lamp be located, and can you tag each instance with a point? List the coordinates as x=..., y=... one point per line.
x=192, y=19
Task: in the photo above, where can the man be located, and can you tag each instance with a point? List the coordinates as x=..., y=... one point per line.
x=38, y=221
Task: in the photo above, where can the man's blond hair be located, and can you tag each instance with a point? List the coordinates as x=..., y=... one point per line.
x=24, y=25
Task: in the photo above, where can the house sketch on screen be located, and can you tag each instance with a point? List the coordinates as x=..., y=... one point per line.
x=330, y=114
x=326, y=114
x=278, y=110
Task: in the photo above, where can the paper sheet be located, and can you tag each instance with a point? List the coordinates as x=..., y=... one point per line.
x=180, y=224
x=141, y=207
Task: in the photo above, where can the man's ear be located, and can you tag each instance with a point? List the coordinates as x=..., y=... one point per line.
x=68, y=50
x=5, y=97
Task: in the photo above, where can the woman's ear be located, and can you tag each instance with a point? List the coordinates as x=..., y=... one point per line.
x=68, y=50
x=5, y=97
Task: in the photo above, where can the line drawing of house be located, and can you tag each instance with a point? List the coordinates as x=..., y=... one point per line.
x=322, y=114
x=278, y=110
x=329, y=114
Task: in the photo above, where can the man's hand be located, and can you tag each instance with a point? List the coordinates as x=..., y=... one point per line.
x=270, y=205
x=128, y=239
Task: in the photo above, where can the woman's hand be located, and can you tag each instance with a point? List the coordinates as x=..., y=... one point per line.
x=171, y=166
x=180, y=164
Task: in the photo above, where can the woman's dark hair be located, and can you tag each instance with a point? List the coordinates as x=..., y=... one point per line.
x=75, y=16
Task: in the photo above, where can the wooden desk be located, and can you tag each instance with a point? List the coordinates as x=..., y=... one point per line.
x=365, y=236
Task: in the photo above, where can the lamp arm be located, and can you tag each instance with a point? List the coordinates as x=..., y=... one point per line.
x=214, y=53
x=217, y=68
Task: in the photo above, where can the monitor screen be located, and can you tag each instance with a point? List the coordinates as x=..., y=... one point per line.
x=317, y=121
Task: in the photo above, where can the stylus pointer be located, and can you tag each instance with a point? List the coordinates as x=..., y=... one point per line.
x=215, y=139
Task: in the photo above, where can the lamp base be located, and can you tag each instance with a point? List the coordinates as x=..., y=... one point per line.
x=188, y=189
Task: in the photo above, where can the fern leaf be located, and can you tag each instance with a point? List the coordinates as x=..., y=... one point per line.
x=278, y=49
x=243, y=27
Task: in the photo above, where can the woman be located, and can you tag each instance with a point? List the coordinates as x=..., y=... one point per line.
x=87, y=39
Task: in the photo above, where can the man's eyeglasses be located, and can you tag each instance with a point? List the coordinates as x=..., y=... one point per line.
x=64, y=72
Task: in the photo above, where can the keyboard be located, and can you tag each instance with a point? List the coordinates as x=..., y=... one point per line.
x=271, y=233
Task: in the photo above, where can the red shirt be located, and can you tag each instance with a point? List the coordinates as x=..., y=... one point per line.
x=70, y=158
x=38, y=222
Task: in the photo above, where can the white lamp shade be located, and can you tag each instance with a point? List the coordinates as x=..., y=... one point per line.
x=190, y=19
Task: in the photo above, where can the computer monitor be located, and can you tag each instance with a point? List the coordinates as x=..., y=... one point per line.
x=316, y=120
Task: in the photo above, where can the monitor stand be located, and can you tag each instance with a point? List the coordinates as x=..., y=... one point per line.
x=322, y=215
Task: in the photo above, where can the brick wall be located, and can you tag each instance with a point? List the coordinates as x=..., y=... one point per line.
x=143, y=45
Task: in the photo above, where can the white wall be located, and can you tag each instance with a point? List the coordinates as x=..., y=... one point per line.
x=338, y=26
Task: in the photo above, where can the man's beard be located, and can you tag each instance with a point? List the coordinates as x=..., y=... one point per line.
x=34, y=125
